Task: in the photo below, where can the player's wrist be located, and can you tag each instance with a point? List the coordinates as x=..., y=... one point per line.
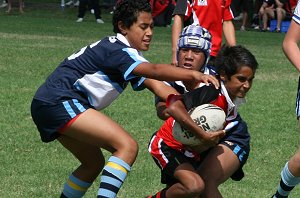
x=197, y=76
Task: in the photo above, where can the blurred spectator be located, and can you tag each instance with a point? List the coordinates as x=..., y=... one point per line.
x=3, y=4
x=293, y=4
x=73, y=2
x=162, y=11
x=241, y=9
x=83, y=6
x=275, y=9
x=256, y=17
x=9, y=6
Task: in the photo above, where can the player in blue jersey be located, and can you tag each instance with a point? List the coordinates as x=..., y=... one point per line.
x=65, y=106
x=237, y=67
x=290, y=174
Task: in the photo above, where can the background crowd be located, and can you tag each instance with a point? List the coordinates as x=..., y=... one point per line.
x=261, y=15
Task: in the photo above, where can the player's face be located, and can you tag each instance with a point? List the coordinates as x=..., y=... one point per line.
x=190, y=58
x=139, y=35
x=240, y=83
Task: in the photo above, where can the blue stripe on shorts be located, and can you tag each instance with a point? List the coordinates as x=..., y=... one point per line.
x=70, y=109
x=49, y=118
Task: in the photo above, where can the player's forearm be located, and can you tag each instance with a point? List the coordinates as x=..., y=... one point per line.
x=176, y=29
x=229, y=33
x=179, y=113
x=159, y=88
x=166, y=72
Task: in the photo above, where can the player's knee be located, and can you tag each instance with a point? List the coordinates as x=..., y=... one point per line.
x=296, y=159
x=129, y=150
x=195, y=187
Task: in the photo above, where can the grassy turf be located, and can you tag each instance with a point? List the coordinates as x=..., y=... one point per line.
x=34, y=43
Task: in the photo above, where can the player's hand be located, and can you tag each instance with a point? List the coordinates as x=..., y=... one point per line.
x=207, y=79
x=209, y=140
x=213, y=138
x=174, y=60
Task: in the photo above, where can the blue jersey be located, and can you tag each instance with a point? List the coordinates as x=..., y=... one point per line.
x=96, y=74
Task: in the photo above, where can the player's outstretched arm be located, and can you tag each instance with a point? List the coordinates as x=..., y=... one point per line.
x=165, y=72
x=159, y=88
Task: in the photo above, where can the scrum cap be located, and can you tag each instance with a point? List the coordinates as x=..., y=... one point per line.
x=195, y=36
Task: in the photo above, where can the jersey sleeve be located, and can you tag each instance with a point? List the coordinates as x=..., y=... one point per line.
x=199, y=96
x=228, y=14
x=126, y=60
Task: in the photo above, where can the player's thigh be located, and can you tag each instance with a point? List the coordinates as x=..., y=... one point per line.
x=95, y=128
x=219, y=164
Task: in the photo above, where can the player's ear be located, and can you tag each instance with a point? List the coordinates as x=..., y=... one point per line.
x=223, y=76
x=122, y=28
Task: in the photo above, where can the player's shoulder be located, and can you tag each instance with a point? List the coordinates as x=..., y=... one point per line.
x=208, y=90
x=202, y=95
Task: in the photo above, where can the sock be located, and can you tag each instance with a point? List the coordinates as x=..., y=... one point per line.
x=287, y=183
x=160, y=194
x=112, y=178
x=75, y=187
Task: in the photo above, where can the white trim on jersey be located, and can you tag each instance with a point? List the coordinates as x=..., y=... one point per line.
x=100, y=90
x=296, y=16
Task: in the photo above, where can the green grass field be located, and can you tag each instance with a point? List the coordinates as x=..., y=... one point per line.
x=33, y=44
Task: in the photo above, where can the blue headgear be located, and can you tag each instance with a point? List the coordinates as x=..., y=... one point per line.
x=195, y=36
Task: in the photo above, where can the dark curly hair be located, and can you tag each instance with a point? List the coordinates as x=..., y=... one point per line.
x=230, y=59
x=127, y=11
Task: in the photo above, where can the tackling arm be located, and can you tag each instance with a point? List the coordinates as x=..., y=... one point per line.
x=166, y=72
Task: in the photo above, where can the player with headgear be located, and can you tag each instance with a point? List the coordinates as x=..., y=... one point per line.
x=198, y=171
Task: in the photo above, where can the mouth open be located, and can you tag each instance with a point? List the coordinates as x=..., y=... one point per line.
x=187, y=66
x=147, y=42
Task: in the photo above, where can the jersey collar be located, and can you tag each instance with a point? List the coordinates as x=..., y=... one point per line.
x=123, y=39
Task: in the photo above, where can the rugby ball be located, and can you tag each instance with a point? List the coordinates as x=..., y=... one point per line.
x=207, y=116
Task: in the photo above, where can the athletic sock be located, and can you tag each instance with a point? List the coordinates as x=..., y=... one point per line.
x=287, y=183
x=75, y=188
x=112, y=178
x=160, y=194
